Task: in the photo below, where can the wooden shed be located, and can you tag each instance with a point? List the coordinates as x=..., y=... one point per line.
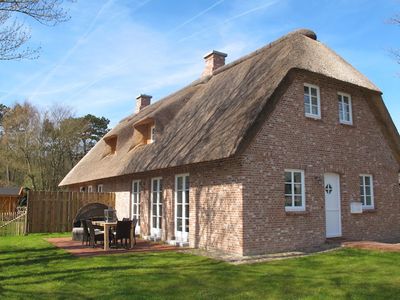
x=9, y=197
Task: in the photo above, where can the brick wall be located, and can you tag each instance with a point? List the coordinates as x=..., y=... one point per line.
x=215, y=201
x=289, y=140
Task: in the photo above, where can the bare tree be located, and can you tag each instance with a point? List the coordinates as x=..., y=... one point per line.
x=15, y=33
x=396, y=52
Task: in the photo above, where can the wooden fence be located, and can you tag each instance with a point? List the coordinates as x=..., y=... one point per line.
x=55, y=211
x=13, y=223
x=8, y=203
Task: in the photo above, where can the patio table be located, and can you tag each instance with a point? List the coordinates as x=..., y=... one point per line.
x=106, y=226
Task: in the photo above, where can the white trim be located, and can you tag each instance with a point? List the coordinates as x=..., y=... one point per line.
x=364, y=206
x=152, y=134
x=184, y=236
x=100, y=188
x=156, y=232
x=350, y=122
x=138, y=216
x=90, y=189
x=311, y=115
x=303, y=191
x=82, y=189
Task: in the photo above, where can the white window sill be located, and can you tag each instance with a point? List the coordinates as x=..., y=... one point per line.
x=292, y=209
x=346, y=123
x=315, y=117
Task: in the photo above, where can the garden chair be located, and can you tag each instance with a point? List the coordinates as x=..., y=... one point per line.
x=94, y=235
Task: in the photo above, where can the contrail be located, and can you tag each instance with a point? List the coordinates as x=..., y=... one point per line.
x=230, y=19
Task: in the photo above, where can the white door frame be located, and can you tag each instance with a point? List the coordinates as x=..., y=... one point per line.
x=332, y=193
x=182, y=235
x=156, y=231
x=135, y=203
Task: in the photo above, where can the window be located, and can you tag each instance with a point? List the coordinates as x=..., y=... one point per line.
x=312, y=105
x=82, y=189
x=100, y=188
x=152, y=133
x=136, y=201
x=345, y=114
x=90, y=189
x=111, y=142
x=366, y=191
x=294, y=190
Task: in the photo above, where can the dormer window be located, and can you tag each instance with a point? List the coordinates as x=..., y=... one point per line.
x=145, y=132
x=152, y=133
x=111, y=142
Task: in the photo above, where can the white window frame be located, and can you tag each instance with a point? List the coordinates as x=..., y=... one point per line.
x=310, y=114
x=156, y=231
x=100, y=188
x=82, y=189
x=364, y=199
x=303, y=191
x=137, y=214
x=152, y=133
x=182, y=235
x=347, y=122
x=90, y=189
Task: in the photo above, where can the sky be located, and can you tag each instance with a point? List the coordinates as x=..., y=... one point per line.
x=111, y=51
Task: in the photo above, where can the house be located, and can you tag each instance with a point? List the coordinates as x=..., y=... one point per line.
x=276, y=151
x=9, y=198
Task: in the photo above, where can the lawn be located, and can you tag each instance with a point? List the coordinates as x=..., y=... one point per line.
x=32, y=268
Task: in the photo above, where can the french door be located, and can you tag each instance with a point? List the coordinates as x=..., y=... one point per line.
x=136, y=203
x=182, y=208
x=156, y=207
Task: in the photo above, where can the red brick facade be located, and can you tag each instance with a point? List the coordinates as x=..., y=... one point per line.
x=237, y=205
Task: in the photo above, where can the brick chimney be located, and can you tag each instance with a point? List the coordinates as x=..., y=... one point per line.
x=213, y=60
x=142, y=101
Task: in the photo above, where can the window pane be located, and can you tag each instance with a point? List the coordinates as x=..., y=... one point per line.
x=187, y=196
x=297, y=189
x=179, y=211
x=361, y=180
x=160, y=210
x=307, y=100
x=308, y=109
x=160, y=223
x=187, y=183
x=155, y=185
x=179, y=183
x=179, y=197
x=154, y=222
x=154, y=209
x=297, y=177
x=368, y=200
x=288, y=201
x=339, y=98
x=187, y=211
x=288, y=189
x=288, y=177
x=154, y=197
x=367, y=180
x=161, y=185
x=361, y=191
x=306, y=90
x=179, y=224
x=362, y=199
x=315, y=110
x=368, y=191
x=313, y=92
x=187, y=225
x=297, y=201
x=314, y=101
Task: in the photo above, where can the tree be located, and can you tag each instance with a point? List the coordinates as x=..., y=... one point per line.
x=14, y=34
x=396, y=53
x=95, y=129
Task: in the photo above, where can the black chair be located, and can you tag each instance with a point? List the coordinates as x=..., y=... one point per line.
x=94, y=235
x=86, y=234
x=123, y=232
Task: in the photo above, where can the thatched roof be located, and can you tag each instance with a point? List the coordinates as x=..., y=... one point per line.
x=208, y=119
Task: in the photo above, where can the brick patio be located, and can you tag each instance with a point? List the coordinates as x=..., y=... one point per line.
x=77, y=249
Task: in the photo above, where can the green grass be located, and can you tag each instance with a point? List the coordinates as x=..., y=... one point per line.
x=30, y=268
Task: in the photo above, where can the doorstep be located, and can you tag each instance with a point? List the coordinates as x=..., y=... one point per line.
x=177, y=243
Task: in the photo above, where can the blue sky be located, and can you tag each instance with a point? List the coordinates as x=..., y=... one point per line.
x=111, y=51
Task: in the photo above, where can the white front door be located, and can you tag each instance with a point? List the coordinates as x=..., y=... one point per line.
x=332, y=205
x=136, y=203
x=156, y=207
x=182, y=208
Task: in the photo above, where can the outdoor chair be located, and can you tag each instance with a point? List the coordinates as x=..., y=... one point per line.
x=86, y=234
x=123, y=232
x=94, y=235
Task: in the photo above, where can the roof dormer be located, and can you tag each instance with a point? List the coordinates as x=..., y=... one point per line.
x=145, y=132
x=111, y=144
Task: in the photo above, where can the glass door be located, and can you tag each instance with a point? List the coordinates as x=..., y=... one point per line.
x=156, y=207
x=136, y=203
x=182, y=208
